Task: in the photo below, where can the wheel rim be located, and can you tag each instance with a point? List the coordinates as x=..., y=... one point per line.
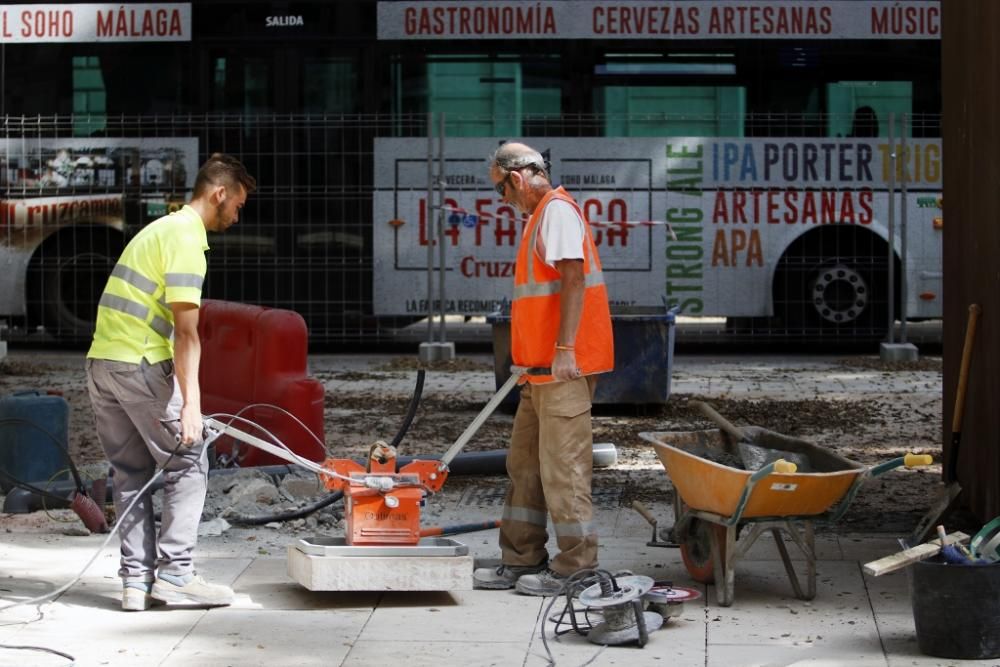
x=839, y=294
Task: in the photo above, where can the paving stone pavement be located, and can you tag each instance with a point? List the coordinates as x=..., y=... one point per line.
x=854, y=619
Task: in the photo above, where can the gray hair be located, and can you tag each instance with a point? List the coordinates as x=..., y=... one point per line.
x=511, y=156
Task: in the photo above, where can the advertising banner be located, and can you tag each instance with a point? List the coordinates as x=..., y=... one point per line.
x=699, y=222
x=642, y=19
x=123, y=22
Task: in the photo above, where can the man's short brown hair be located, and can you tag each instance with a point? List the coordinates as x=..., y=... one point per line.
x=225, y=170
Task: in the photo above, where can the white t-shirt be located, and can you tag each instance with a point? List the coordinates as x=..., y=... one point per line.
x=560, y=233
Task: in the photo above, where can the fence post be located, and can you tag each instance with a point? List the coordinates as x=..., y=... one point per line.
x=436, y=350
x=905, y=176
x=891, y=255
x=890, y=350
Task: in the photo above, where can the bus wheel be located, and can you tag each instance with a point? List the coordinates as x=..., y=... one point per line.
x=833, y=283
x=67, y=277
x=839, y=294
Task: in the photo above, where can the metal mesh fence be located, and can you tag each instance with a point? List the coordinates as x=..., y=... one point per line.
x=305, y=240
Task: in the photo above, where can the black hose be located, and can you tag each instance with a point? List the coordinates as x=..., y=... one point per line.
x=290, y=515
x=411, y=409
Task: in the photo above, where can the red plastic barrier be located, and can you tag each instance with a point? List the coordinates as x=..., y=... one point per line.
x=251, y=354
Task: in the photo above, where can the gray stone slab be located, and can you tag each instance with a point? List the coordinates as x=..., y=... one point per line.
x=267, y=585
x=380, y=573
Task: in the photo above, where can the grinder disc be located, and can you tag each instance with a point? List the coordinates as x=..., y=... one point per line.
x=665, y=593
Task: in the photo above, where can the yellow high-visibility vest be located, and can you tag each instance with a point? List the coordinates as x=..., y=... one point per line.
x=164, y=263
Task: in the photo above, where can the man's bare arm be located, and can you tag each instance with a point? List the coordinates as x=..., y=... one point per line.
x=187, y=357
x=570, y=311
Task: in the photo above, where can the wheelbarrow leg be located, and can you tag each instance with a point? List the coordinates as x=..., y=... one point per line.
x=807, y=545
x=725, y=566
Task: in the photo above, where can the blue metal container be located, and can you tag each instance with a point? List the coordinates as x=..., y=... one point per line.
x=644, y=356
x=27, y=453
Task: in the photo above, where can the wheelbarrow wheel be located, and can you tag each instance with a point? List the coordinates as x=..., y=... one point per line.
x=696, y=549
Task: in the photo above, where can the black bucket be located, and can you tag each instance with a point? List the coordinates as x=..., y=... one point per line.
x=956, y=609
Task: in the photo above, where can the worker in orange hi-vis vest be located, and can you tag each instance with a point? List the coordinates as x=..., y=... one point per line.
x=560, y=320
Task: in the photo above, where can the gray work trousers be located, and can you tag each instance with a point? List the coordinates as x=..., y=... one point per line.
x=129, y=401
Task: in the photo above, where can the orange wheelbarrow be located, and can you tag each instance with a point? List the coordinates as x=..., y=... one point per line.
x=713, y=500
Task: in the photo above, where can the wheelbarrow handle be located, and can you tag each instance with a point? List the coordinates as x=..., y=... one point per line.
x=719, y=420
x=911, y=460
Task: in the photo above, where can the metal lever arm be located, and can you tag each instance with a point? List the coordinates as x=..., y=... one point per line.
x=219, y=428
x=515, y=376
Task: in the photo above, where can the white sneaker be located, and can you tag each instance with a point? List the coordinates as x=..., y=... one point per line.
x=197, y=591
x=134, y=599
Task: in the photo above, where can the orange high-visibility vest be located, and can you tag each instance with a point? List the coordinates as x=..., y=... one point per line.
x=535, y=307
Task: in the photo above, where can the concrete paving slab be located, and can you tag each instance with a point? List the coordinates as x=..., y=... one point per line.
x=266, y=638
x=865, y=548
x=681, y=641
x=889, y=594
x=856, y=651
x=900, y=641
x=827, y=547
x=390, y=651
x=465, y=616
x=104, y=635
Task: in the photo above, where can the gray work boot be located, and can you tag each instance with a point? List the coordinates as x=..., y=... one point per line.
x=191, y=590
x=550, y=582
x=546, y=583
x=502, y=577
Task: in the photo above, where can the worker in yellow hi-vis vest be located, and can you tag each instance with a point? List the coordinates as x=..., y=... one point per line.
x=142, y=369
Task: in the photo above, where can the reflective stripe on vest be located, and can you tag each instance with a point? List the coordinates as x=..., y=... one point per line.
x=137, y=310
x=184, y=280
x=134, y=278
x=534, y=288
x=158, y=324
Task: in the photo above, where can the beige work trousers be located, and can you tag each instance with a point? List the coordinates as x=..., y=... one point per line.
x=550, y=465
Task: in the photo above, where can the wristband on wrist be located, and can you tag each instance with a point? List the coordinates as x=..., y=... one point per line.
x=568, y=348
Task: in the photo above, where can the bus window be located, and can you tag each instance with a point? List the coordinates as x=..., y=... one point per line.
x=481, y=97
x=241, y=89
x=89, y=96
x=862, y=108
x=330, y=85
x=672, y=111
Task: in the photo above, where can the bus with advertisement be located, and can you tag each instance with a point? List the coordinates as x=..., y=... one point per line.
x=733, y=156
x=793, y=230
